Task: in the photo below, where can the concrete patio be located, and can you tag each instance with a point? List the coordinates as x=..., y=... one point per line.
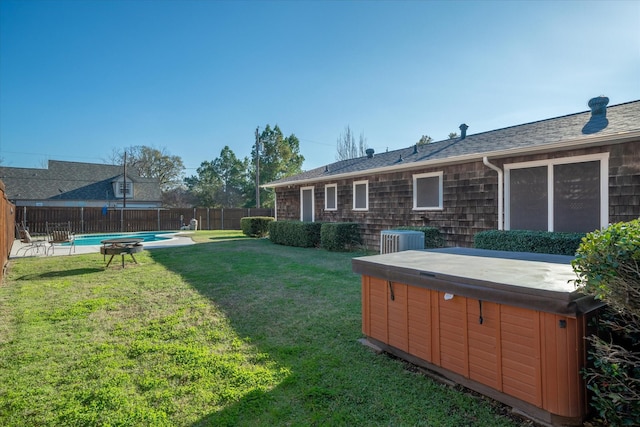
x=179, y=239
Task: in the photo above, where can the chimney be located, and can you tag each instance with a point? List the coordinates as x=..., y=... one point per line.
x=370, y=152
x=598, y=106
x=463, y=131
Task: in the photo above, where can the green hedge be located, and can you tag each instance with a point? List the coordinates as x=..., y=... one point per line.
x=544, y=242
x=608, y=267
x=295, y=233
x=340, y=236
x=432, y=236
x=255, y=226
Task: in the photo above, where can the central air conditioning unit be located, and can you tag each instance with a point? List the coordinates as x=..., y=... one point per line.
x=400, y=240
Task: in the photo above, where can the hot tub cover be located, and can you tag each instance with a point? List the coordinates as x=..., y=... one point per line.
x=537, y=281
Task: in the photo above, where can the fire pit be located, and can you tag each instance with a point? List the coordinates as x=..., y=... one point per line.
x=121, y=247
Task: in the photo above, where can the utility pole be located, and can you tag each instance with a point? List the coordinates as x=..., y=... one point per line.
x=257, y=168
x=124, y=192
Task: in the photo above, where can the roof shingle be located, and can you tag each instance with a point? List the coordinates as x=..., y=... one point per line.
x=620, y=119
x=74, y=181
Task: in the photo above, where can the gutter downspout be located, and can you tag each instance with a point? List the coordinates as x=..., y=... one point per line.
x=485, y=160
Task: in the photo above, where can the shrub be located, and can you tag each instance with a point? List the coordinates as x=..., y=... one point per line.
x=295, y=233
x=340, y=236
x=608, y=267
x=255, y=226
x=432, y=236
x=544, y=242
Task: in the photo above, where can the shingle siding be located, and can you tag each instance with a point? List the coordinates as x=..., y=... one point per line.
x=470, y=199
x=624, y=182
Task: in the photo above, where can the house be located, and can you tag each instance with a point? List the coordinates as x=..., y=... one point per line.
x=73, y=184
x=574, y=173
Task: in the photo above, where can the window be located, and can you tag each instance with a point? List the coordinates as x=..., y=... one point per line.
x=120, y=190
x=568, y=194
x=331, y=197
x=306, y=204
x=123, y=190
x=576, y=196
x=529, y=199
x=427, y=191
x=360, y=195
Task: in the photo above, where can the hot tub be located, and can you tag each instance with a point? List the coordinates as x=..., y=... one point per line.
x=508, y=325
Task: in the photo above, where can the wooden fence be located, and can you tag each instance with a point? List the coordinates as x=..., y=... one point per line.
x=7, y=228
x=99, y=220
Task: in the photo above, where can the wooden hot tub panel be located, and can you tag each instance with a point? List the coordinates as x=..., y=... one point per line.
x=505, y=348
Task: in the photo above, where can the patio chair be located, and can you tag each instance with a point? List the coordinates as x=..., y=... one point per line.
x=29, y=244
x=60, y=234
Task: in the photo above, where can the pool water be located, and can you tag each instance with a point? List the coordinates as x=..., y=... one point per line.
x=95, y=239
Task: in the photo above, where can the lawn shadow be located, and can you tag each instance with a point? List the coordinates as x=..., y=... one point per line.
x=255, y=402
x=299, y=309
x=270, y=298
x=60, y=273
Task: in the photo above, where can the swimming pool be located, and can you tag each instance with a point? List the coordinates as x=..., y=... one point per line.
x=147, y=236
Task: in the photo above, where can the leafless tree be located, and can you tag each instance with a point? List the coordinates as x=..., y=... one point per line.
x=347, y=148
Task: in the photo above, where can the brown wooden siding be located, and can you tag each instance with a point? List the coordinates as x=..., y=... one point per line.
x=469, y=196
x=419, y=318
x=397, y=317
x=527, y=354
x=453, y=334
x=484, y=338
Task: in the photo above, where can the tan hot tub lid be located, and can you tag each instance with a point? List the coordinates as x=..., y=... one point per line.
x=537, y=281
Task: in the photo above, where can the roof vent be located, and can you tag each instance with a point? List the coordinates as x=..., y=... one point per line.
x=598, y=105
x=415, y=149
x=598, y=120
x=463, y=131
x=370, y=152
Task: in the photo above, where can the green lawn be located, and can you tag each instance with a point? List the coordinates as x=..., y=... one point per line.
x=228, y=332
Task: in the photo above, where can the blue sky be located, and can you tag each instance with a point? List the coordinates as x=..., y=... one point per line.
x=79, y=79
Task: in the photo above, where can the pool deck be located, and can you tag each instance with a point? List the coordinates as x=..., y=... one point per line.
x=182, y=239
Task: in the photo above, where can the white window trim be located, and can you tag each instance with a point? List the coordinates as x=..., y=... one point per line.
x=366, y=184
x=335, y=197
x=117, y=191
x=603, y=158
x=440, y=190
x=313, y=198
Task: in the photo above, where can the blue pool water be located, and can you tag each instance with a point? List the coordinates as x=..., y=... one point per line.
x=95, y=239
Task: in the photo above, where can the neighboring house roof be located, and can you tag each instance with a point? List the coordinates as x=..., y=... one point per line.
x=74, y=181
x=610, y=124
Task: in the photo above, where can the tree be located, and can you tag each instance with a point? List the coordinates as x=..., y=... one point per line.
x=153, y=163
x=179, y=197
x=425, y=139
x=221, y=183
x=203, y=186
x=279, y=157
x=453, y=135
x=232, y=173
x=347, y=147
